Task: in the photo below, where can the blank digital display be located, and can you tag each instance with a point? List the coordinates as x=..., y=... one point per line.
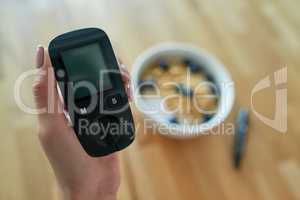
x=85, y=64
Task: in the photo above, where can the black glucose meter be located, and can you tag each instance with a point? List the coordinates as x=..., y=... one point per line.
x=91, y=85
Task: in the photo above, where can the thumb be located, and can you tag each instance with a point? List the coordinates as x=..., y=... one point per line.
x=44, y=86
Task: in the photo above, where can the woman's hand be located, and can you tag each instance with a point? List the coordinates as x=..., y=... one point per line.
x=79, y=176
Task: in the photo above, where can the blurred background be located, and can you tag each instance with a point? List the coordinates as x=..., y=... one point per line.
x=252, y=38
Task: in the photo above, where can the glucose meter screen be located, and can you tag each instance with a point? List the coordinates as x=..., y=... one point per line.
x=86, y=70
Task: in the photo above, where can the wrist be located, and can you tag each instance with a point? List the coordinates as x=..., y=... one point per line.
x=86, y=194
x=95, y=196
x=91, y=197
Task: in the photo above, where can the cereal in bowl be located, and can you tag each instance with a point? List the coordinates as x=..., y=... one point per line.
x=187, y=91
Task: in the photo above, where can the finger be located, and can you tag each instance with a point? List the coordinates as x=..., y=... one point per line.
x=125, y=74
x=127, y=82
x=124, y=71
x=44, y=87
x=39, y=84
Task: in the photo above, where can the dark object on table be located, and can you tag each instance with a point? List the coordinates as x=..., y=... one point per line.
x=184, y=90
x=242, y=122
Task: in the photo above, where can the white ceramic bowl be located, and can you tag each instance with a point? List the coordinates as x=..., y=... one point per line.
x=210, y=64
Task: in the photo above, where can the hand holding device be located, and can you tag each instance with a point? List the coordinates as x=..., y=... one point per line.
x=79, y=176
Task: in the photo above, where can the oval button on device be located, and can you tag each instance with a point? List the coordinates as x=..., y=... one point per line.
x=114, y=100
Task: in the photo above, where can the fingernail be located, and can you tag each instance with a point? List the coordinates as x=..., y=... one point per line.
x=39, y=56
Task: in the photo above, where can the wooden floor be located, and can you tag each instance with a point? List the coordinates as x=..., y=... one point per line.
x=252, y=38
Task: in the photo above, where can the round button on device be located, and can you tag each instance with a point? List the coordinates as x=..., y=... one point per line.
x=114, y=100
